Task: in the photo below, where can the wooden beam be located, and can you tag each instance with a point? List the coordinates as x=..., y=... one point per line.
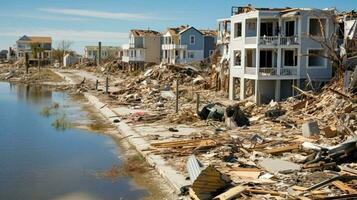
x=284, y=149
x=231, y=193
x=344, y=187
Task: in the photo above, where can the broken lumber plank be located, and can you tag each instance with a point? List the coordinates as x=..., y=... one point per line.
x=231, y=193
x=344, y=187
x=283, y=149
x=181, y=143
x=258, y=191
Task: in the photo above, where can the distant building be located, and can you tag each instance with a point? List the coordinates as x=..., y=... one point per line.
x=3, y=54
x=186, y=44
x=70, y=59
x=271, y=50
x=108, y=52
x=26, y=43
x=143, y=47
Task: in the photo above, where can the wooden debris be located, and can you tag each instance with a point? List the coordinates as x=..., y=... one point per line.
x=231, y=193
x=283, y=149
x=344, y=187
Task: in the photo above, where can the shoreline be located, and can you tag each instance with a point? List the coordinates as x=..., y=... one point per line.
x=173, y=177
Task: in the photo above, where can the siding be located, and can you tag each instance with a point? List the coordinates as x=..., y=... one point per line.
x=199, y=41
x=209, y=44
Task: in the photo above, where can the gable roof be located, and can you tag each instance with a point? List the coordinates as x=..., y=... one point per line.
x=188, y=28
x=35, y=39
x=176, y=30
x=142, y=33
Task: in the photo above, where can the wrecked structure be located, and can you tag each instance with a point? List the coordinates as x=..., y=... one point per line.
x=143, y=47
x=36, y=48
x=273, y=49
x=107, y=52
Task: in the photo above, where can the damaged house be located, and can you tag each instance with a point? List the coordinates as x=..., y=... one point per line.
x=186, y=44
x=27, y=44
x=107, y=52
x=272, y=49
x=143, y=47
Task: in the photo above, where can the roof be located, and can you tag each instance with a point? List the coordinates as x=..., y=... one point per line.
x=188, y=28
x=35, y=39
x=208, y=32
x=176, y=30
x=142, y=33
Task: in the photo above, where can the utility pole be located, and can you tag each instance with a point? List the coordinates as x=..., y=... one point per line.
x=27, y=62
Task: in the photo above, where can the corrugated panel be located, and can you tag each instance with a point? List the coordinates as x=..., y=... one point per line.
x=194, y=167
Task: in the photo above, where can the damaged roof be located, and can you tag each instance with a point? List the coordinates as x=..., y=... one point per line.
x=177, y=30
x=35, y=39
x=142, y=33
x=208, y=32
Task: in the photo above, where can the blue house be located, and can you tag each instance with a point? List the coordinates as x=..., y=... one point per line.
x=185, y=44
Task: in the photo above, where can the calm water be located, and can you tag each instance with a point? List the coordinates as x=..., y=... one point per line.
x=38, y=162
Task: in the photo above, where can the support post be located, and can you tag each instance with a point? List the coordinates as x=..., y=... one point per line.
x=107, y=85
x=197, y=102
x=177, y=95
x=96, y=85
x=38, y=62
x=27, y=62
x=99, y=53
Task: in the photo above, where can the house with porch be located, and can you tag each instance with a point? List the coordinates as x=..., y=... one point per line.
x=273, y=49
x=186, y=44
x=144, y=47
x=26, y=44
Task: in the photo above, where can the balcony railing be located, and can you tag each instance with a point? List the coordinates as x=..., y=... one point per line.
x=271, y=71
x=131, y=59
x=276, y=40
x=288, y=72
x=173, y=46
x=268, y=71
x=251, y=70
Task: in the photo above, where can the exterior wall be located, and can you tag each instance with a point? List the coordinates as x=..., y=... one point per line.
x=197, y=48
x=152, y=49
x=266, y=90
x=209, y=45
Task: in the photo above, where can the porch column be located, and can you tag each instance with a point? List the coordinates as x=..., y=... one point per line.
x=242, y=89
x=258, y=29
x=231, y=88
x=257, y=61
x=279, y=63
x=256, y=92
x=277, y=90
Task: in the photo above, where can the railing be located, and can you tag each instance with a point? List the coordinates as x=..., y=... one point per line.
x=251, y=70
x=288, y=71
x=289, y=40
x=269, y=40
x=128, y=59
x=173, y=46
x=250, y=40
x=268, y=71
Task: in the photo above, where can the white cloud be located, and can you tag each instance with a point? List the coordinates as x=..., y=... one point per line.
x=68, y=34
x=44, y=17
x=100, y=14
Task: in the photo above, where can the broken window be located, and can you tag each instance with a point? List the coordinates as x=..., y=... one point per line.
x=237, y=58
x=316, y=58
x=237, y=30
x=290, y=58
x=192, y=39
x=317, y=26
x=290, y=28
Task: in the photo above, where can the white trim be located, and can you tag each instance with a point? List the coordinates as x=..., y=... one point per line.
x=316, y=67
x=194, y=39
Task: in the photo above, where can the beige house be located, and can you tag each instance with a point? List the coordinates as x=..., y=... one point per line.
x=108, y=52
x=143, y=47
x=25, y=44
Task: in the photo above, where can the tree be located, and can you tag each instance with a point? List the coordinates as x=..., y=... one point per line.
x=63, y=47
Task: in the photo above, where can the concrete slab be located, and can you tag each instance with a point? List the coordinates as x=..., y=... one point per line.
x=278, y=166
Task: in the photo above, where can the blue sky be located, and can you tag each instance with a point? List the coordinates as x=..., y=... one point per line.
x=85, y=22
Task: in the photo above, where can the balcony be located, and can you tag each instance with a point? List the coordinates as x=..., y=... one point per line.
x=133, y=59
x=272, y=71
x=173, y=46
x=278, y=40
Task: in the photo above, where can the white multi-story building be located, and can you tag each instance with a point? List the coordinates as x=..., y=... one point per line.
x=273, y=49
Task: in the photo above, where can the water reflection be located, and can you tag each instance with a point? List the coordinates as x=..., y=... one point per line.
x=38, y=163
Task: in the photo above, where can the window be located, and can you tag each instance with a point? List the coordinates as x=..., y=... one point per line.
x=266, y=59
x=184, y=54
x=315, y=26
x=290, y=28
x=266, y=28
x=191, y=55
x=237, y=30
x=316, y=58
x=192, y=39
x=290, y=58
x=237, y=58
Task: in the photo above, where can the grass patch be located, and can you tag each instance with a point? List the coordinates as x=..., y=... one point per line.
x=61, y=123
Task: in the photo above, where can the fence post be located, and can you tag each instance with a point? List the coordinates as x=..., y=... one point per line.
x=107, y=85
x=96, y=85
